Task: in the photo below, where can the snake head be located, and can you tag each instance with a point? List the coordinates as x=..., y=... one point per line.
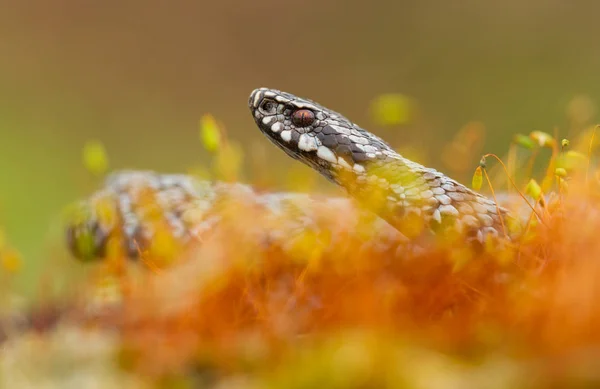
x=317, y=136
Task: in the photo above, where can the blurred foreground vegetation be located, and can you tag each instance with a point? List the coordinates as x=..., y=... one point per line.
x=235, y=316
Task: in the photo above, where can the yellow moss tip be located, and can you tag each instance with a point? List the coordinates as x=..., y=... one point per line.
x=391, y=109
x=542, y=139
x=163, y=246
x=477, y=180
x=11, y=260
x=524, y=141
x=210, y=133
x=95, y=158
x=533, y=189
x=228, y=162
x=572, y=161
x=560, y=172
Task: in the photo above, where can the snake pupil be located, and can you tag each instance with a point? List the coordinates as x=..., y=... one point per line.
x=303, y=118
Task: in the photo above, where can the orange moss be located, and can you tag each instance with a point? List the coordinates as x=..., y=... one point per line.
x=238, y=306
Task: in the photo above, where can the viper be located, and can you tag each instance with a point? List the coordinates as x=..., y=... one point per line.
x=401, y=191
x=417, y=202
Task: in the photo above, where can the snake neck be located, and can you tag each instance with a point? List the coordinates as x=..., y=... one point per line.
x=418, y=200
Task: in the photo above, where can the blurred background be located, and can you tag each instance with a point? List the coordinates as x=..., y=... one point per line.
x=138, y=76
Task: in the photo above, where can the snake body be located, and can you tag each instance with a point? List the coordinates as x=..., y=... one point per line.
x=133, y=207
x=404, y=200
x=399, y=190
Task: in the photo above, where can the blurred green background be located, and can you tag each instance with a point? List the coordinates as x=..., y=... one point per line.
x=138, y=75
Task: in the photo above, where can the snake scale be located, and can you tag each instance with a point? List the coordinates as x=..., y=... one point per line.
x=394, y=193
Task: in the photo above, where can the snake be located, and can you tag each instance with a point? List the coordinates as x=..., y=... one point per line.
x=399, y=190
x=401, y=203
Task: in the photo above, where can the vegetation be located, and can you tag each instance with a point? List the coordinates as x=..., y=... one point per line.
x=230, y=315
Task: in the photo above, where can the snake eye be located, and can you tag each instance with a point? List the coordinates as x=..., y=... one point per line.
x=303, y=118
x=268, y=107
